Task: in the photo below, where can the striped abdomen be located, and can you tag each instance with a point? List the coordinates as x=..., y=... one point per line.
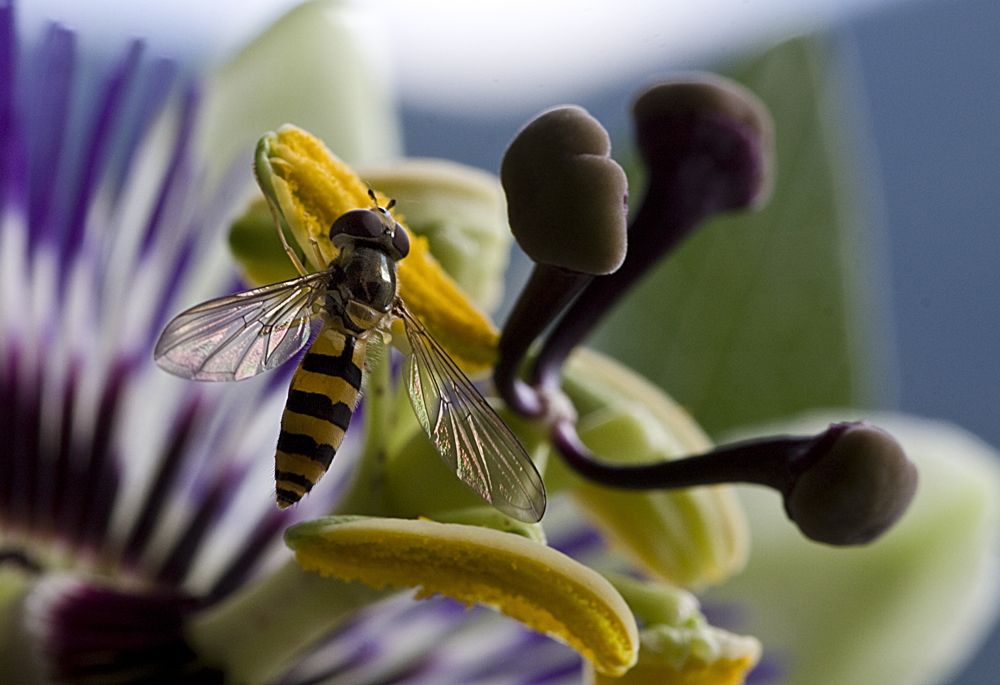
x=321, y=400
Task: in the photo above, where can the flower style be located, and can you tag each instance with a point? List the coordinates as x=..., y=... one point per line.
x=138, y=541
x=706, y=144
x=910, y=608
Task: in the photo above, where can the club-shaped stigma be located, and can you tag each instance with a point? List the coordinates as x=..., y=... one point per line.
x=706, y=144
x=566, y=203
x=846, y=486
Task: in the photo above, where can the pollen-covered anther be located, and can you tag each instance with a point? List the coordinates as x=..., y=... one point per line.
x=677, y=643
x=855, y=490
x=535, y=584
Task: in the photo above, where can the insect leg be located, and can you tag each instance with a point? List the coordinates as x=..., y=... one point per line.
x=288, y=248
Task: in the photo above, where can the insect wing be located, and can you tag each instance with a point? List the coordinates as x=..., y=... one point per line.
x=240, y=335
x=471, y=438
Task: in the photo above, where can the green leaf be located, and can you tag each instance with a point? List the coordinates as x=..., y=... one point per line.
x=761, y=315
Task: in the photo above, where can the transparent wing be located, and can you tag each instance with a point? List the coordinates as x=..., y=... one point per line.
x=472, y=440
x=240, y=335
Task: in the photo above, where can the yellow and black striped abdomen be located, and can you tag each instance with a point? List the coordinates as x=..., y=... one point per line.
x=321, y=400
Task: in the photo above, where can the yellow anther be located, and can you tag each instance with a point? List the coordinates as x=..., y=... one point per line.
x=307, y=187
x=430, y=293
x=694, y=672
x=535, y=584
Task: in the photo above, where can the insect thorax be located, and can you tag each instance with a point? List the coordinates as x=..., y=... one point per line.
x=363, y=286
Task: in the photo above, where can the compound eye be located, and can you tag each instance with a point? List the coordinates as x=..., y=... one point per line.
x=401, y=241
x=358, y=223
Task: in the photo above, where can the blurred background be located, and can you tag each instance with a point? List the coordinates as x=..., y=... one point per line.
x=913, y=86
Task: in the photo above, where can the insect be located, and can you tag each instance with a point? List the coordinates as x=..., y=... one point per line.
x=241, y=335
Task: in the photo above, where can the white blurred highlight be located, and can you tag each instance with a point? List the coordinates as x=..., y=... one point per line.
x=483, y=56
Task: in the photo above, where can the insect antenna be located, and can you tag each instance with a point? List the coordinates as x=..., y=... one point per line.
x=371, y=194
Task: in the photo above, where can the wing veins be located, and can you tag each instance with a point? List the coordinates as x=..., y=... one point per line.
x=479, y=437
x=247, y=322
x=234, y=337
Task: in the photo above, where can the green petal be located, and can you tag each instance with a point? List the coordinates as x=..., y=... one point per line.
x=544, y=589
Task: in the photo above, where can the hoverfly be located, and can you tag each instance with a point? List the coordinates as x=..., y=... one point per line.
x=241, y=335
